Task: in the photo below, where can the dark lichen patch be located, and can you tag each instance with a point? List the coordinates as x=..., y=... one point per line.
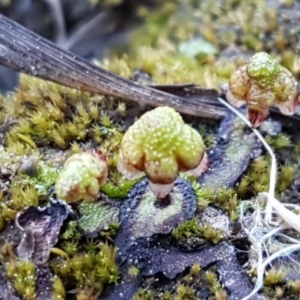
x=44, y=284
x=141, y=217
x=40, y=228
x=26, y=249
x=216, y=218
x=229, y=159
x=152, y=258
x=96, y=217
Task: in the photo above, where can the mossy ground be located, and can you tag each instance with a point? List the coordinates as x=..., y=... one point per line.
x=42, y=123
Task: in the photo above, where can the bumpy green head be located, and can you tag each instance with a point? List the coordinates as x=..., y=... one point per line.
x=260, y=84
x=263, y=68
x=160, y=144
x=81, y=177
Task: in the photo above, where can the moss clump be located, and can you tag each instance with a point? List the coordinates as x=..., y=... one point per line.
x=143, y=294
x=134, y=271
x=256, y=179
x=279, y=141
x=294, y=286
x=227, y=199
x=204, y=196
x=286, y=178
x=118, y=186
x=184, y=291
x=27, y=182
x=59, y=292
x=71, y=231
x=22, y=275
x=20, y=198
x=229, y=202
x=214, y=285
x=274, y=276
x=192, y=228
x=45, y=178
x=88, y=270
x=47, y=114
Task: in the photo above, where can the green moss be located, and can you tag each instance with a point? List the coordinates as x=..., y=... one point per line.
x=286, y=178
x=279, y=141
x=294, y=285
x=45, y=178
x=192, y=228
x=91, y=270
x=71, y=231
x=118, y=187
x=49, y=114
x=226, y=198
x=21, y=197
x=204, y=196
x=22, y=275
x=274, y=276
x=195, y=269
x=229, y=202
x=133, y=271
x=144, y=294
x=214, y=285
x=70, y=247
x=59, y=292
x=184, y=292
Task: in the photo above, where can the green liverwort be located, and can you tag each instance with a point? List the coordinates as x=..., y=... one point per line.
x=161, y=145
x=260, y=84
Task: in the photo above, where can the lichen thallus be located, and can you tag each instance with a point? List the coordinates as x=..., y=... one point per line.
x=25, y=51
